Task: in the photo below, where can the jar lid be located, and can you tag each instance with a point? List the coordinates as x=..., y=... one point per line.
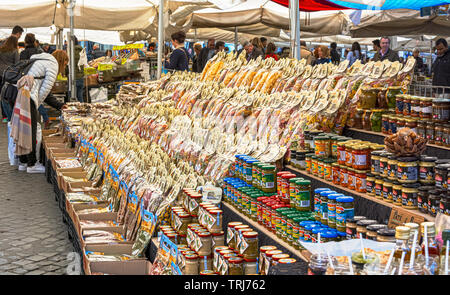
x=370, y=175
x=326, y=193
x=183, y=215
x=356, y=219
x=230, y=256
x=375, y=227
x=241, y=226
x=294, y=180
x=191, y=256
x=273, y=252
x=250, y=234
x=425, y=158
x=221, y=233
x=430, y=228
x=310, y=155
x=234, y=223
x=386, y=232
x=268, y=167
x=442, y=161
x=263, y=249
x=318, y=190
x=407, y=159
x=412, y=225
x=215, y=211
x=280, y=256
x=427, y=188
x=329, y=234
x=282, y=173
x=411, y=185
x=376, y=153
x=304, y=182
x=287, y=260
x=250, y=259
x=344, y=199
x=366, y=222
x=402, y=232
x=334, y=196
x=226, y=251
x=288, y=176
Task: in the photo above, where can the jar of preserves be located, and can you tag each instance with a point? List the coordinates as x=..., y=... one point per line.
x=331, y=210
x=441, y=110
x=415, y=106
x=426, y=169
x=426, y=108
x=231, y=240
x=382, y=98
x=434, y=202
x=375, y=120
x=351, y=179
x=336, y=173
x=235, y=266
x=218, y=239
x=397, y=193
x=320, y=172
x=314, y=166
x=386, y=235
x=385, y=123
x=304, y=199
x=409, y=196
x=375, y=157
x=446, y=135
x=322, y=146
x=361, y=176
x=344, y=209
x=317, y=200
x=349, y=154
x=344, y=176
x=191, y=264
x=429, y=132
x=372, y=231
x=361, y=155
x=268, y=179
x=392, y=124
x=407, y=105
x=387, y=191
x=445, y=205
x=399, y=104
x=205, y=263
x=249, y=245
x=379, y=187
x=318, y=264
x=411, y=124
x=384, y=164
x=368, y=98
x=421, y=128
x=250, y=266
x=361, y=227
x=366, y=120
x=400, y=122
x=341, y=153
x=370, y=184
x=441, y=175
x=391, y=96
x=392, y=167
x=327, y=169
x=308, y=160
x=301, y=159
x=293, y=159
x=408, y=170
x=351, y=226
x=422, y=198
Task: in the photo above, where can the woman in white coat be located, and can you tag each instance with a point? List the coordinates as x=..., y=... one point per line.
x=44, y=70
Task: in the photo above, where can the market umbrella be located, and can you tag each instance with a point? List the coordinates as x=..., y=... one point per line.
x=388, y=4
x=313, y=5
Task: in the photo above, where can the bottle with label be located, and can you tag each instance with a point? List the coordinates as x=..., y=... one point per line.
x=401, y=243
x=429, y=244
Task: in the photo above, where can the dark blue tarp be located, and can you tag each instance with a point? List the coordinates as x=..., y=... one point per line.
x=392, y=4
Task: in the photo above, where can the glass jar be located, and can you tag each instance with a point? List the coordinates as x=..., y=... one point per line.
x=263, y=257
x=384, y=157
x=372, y=231
x=351, y=226
x=429, y=132
x=250, y=267
x=327, y=169
x=392, y=167
x=397, y=193
x=336, y=173
x=392, y=124
x=368, y=98
x=444, y=207
x=375, y=120
x=361, y=177
x=422, y=198
x=379, y=187
x=322, y=146
x=191, y=264
x=415, y=107
x=434, y=202
x=314, y=166
x=382, y=98
x=387, y=191
x=407, y=170
x=304, y=199
x=218, y=239
x=441, y=175
x=231, y=240
x=357, y=119
x=361, y=227
x=438, y=134
x=361, y=155
x=446, y=135
x=301, y=159
x=427, y=169
x=411, y=124
x=318, y=264
x=385, y=123
x=235, y=266
x=375, y=162
x=366, y=120
x=399, y=104
x=426, y=108
x=370, y=184
x=268, y=178
x=351, y=179
x=386, y=235
x=308, y=161
x=421, y=128
x=441, y=110
x=331, y=210
x=400, y=122
x=341, y=153
x=407, y=106
x=349, y=154
x=391, y=96
x=344, y=209
x=320, y=172
x=205, y=263
x=344, y=176
x=409, y=196
x=249, y=245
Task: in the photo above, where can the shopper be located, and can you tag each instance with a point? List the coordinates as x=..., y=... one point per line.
x=264, y=44
x=335, y=57
x=16, y=32
x=195, y=65
x=305, y=53
x=420, y=67
x=151, y=47
x=441, y=68
x=354, y=54
x=220, y=46
x=270, y=53
x=79, y=71
x=96, y=52
x=206, y=54
x=285, y=52
x=30, y=47
x=257, y=49
x=108, y=53
x=248, y=47
x=9, y=55
x=179, y=60
x=385, y=53
x=322, y=55
x=45, y=66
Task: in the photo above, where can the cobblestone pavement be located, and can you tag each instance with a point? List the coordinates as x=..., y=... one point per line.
x=33, y=237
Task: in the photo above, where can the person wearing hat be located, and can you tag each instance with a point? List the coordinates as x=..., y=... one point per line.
x=96, y=52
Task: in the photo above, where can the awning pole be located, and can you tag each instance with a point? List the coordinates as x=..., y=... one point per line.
x=70, y=43
x=236, y=38
x=294, y=14
x=160, y=38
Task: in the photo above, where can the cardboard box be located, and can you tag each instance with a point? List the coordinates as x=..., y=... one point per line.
x=49, y=146
x=139, y=266
x=54, y=157
x=63, y=184
x=54, y=151
x=63, y=171
x=113, y=229
x=106, y=216
x=79, y=187
x=47, y=132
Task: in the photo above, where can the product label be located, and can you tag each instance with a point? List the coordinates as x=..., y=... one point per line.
x=295, y=233
x=361, y=160
x=327, y=172
x=351, y=233
x=304, y=198
x=407, y=173
x=324, y=210
x=342, y=156
x=409, y=199
x=331, y=213
x=426, y=173
x=316, y=204
x=439, y=180
x=268, y=179
x=375, y=166
x=230, y=235
x=378, y=189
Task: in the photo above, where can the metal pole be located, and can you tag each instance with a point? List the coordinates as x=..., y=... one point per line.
x=160, y=38
x=294, y=15
x=236, y=41
x=71, y=51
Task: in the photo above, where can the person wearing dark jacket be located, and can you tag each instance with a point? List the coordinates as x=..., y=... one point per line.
x=441, y=67
x=30, y=47
x=195, y=63
x=335, y=58
x=206, y=54
x=9, y=55
x=385, y=52
x=178, y=60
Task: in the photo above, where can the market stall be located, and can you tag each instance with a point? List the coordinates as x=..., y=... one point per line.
x=247, y=168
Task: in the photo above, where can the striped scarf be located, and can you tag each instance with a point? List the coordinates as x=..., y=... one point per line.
x=21, y=118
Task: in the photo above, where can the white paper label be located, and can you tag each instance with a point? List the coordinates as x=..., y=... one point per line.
x=229, y=235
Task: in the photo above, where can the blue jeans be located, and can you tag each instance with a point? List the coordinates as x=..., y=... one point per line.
x=7, y=110
x=43, y=113
x=79, y=83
